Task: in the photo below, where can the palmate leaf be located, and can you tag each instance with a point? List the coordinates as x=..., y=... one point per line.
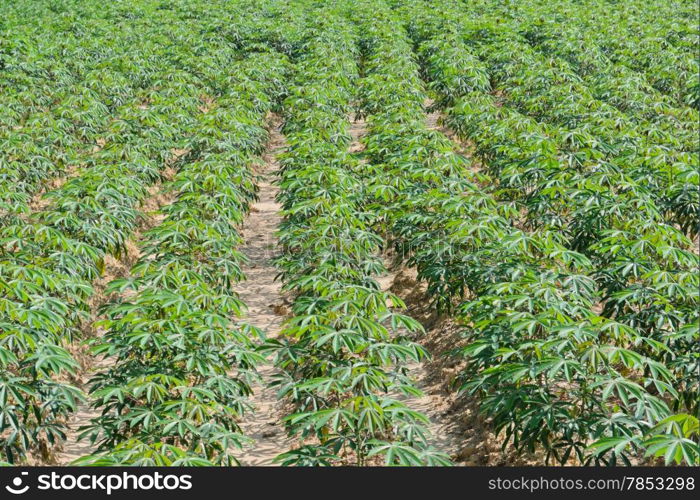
x=403, y=321
x=16, y=390
x=143, y=418
x=322, y=385
x=371, y=420
x=396, y=453
x=682, y=425
x=548, y=132
x=51, y=359
x=138, y=453
x=335, y=418
x=181, y=428
x=389, y=353
x=110, y=392
x=617, y=445
x=344, y=338
x=150, y=387
x=623, y=387
x=673, y=448
x=308, y=456
x=568, y=367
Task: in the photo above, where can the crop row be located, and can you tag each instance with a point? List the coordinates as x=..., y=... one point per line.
x=656, y=40
x=57, y=100
x=342, y=355
x=657, y=256
x=624, y=88
x=659, y=40
x=179, y=367
x=645, y=279
x=545, y=90
x=556, y=229
x=51, y=258
x=552, y=372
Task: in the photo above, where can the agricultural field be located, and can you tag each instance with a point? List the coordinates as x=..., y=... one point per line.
x=356, y=232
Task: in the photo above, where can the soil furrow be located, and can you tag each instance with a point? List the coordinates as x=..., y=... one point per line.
x=267, y=305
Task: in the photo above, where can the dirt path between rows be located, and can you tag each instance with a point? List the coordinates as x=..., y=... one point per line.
x=267, y=306
x=436, y=402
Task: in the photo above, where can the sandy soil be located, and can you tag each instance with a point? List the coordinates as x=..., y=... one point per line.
x=267, y=306
x=358, y=129
x=436, y=401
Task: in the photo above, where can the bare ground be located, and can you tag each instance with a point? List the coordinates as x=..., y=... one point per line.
x=267, y=306
x=436, y=401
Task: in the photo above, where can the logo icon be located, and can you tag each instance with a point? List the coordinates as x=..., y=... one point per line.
x=17, y=483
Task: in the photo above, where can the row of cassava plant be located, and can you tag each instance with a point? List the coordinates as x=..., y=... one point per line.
x=653, y=254
x=657, y=40
x=528, y=296
x=654, y=112
x=451, y=66
x=342, y=357
x=51, y=257
x=180, y=365
x=547, y=90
